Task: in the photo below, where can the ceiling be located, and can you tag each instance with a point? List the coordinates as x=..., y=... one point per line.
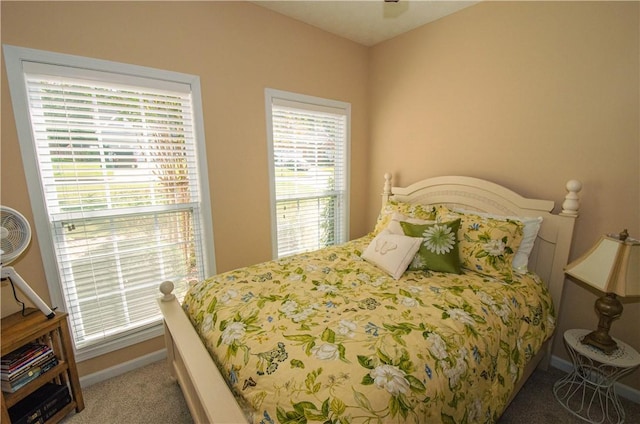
x=367, y=22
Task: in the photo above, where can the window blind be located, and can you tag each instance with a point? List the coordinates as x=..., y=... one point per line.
x=119, y=176
x=310, y=146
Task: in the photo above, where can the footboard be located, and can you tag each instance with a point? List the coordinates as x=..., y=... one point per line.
x=209, y=399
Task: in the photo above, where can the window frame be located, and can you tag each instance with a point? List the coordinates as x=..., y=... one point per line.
x=311, y=102
x=14, y=58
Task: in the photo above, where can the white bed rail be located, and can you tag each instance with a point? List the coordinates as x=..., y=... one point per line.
x=208, y=397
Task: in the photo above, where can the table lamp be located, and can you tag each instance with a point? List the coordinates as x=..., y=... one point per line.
x=612, y=266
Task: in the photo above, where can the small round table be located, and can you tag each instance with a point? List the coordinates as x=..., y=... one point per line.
x=588, y=391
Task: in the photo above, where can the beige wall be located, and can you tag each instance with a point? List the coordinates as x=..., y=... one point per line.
x=530, y=95
x=525, y=94
x=237, y=49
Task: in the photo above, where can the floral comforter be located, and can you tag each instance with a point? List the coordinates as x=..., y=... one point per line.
x=327, y=337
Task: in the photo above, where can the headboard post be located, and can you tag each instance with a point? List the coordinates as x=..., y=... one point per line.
x=571, y=203
x=386, y=191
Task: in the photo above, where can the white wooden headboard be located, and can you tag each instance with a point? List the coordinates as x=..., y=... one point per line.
x=551, y=250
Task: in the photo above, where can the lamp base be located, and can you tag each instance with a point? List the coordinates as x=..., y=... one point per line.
x=609, y=308
x=601, y=341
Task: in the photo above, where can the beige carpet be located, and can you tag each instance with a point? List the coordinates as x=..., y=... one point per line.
x=149, y=395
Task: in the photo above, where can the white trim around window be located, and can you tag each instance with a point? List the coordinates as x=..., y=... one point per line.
x=132, y=137
x=309, y=155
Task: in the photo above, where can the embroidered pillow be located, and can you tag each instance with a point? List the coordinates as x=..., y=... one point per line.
x=392, y=252
x=411, y=210
x=486, y=245
x=439, y=248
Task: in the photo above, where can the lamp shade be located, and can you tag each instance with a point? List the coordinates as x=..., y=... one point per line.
x=612, y=265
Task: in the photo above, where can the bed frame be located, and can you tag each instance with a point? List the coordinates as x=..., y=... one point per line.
x=205, y=390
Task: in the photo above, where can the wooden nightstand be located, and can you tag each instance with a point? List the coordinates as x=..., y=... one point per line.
x=17, y=331
x=588, y=391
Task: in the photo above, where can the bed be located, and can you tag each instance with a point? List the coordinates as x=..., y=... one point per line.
x=426, y=319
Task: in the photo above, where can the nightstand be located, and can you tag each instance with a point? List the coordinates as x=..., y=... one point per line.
x=588, y=391
x=19, y=330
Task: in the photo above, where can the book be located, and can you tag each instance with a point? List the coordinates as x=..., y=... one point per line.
x=17, y=355
x=16, y=360
x=41, y=405
x=25, y=369
x=32, y=374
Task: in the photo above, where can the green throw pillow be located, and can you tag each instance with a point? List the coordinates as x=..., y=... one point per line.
x=439, y=248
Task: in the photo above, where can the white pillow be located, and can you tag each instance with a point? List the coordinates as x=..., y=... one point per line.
x=531, y=226
x=394, y=226
x=392, y=252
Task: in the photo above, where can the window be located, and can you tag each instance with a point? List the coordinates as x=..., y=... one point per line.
x=309, y=156
x=114, y=160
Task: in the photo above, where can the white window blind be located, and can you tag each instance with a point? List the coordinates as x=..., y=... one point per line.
x=309, y=146
x=117, y=158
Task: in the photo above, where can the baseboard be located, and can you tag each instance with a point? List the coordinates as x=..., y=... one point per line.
x=116, y=370
x=621, y=389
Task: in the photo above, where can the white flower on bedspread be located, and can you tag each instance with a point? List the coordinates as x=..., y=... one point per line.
x=390, y=378
x=513, y=372
x=415, y=289
x=347, y=328
x=486, y=298
x=326, y=351
x=407, y=301
x=302, y=315
x=455, y=372
x=294, y=277
x=290, y=309
x=503, y=310
x=327, y=288
x=207, y=323
x=439, y=239
x=437, y=347
x=378, y=281
x=230, y=294
x=460, y=315
x=365, y=278
x=474, y=411
x=494, y=247
x=234, y=331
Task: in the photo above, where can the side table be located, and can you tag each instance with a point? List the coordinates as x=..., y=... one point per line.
x=588, y=391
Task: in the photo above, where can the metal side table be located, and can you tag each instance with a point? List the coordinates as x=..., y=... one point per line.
x=588, y=391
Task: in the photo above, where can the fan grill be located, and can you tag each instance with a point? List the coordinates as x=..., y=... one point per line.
x=14, y=234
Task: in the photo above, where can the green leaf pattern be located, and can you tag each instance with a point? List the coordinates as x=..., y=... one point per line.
x=326, y=337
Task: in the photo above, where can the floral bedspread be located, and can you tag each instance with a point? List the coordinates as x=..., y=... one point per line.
x=327, y=337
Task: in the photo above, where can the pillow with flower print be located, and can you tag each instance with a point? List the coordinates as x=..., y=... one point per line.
x=531, y=226
x=439, y=248
x=486, y=245
x=410, y=210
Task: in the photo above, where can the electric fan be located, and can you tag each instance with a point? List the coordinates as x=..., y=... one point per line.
x=15, y=235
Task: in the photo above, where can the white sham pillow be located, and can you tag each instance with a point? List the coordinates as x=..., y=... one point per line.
x=531, y=226
x=392, y=252
x=394, y=226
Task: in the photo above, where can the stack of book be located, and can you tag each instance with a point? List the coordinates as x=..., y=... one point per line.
x=40, y=405
x=25, y=364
